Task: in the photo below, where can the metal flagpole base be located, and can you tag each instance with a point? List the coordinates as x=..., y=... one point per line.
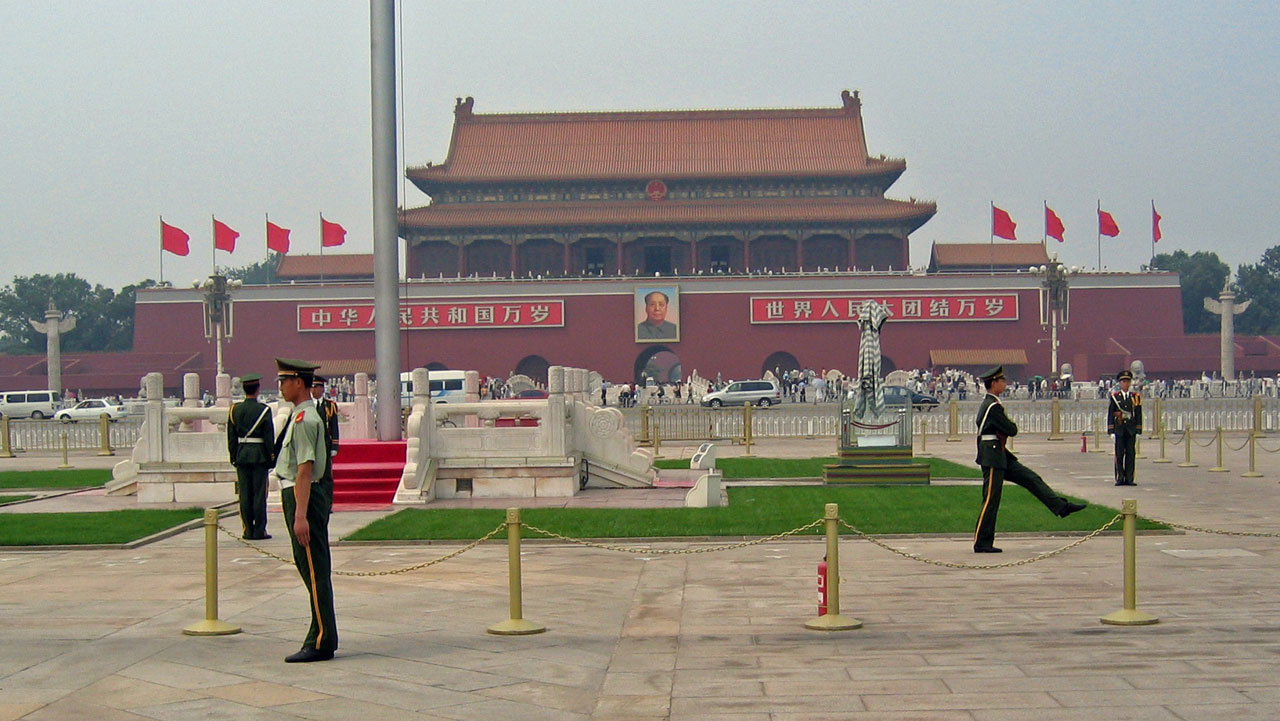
x=1127, y=617
x=516, y=627
x=833, y=622
x=211, y=627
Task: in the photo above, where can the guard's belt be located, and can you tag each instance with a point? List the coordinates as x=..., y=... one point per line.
x=988, y=438
x=250, y=440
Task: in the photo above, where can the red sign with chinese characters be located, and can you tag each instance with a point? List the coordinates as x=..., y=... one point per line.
x=844, y=308
x=437, y=315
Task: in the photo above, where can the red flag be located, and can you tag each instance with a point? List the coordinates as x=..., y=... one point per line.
x=1053, y=226
x=1156, y=235
x=331, y=234
x=1002, y=226
x=1107, y=225
x=277, y=238
x=174, y=239
x=224, y=238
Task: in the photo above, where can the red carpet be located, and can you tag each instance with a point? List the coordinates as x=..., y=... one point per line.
x=366, y=473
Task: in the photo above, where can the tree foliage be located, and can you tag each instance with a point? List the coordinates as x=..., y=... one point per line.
x=1260, y=283
x=104, y=318
x=261, y=273
x=1201, y=275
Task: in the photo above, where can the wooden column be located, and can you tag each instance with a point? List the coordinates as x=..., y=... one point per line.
x=568, y=257
x=693, y=255
x=462, y=258
x=618, y=244
x=515, y=257
x=800, y=251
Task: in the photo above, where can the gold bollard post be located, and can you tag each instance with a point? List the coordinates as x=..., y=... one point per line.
x=516, y=625
x=953, y=421
x=833, y=621
x=104, y=431
x=211, y=626
x=65, y=464
x=1055, y=430
x=1253, y=458
x=6, y=443
x=653, y=434
x=1162, y=458
x=1219, y=468
x=644, y=426
x=1130, y=615
x=747, y=411
x=1137, y=448
x=1186, y=440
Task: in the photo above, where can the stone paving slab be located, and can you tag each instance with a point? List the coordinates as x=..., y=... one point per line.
x=96, y=634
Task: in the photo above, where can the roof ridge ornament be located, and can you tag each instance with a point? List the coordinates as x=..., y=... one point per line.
x=463, y=109
x=851, y=101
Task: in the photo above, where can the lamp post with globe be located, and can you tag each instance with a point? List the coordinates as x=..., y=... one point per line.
x=1054, y=303
x=217, y=309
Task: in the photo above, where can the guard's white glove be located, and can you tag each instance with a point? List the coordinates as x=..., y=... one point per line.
x=334, y=453
x=1113, y=436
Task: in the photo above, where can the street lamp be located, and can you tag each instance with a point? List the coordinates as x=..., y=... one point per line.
x=217, y=309
x=1054, y=303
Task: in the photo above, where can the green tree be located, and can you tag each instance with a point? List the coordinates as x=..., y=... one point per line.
x=1260, y=283
x=1201, y=275
x=104, y=319
x=261, y=273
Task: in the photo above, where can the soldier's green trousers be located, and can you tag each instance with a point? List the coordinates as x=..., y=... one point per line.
x=314, y=564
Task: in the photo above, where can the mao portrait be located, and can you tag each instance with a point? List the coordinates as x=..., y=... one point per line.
x=657, y=314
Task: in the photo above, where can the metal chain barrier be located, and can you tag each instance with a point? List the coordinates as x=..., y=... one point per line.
x=973, y=566
x=392, y=572
x=1212, y=439
x=1241, y=448
x=666, y=552
x=1268, y=450
x=1186, y=527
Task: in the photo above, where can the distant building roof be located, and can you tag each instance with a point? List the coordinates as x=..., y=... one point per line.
x=1000, y=255
x=669, y=144
x=480, y=215
x=349, y=266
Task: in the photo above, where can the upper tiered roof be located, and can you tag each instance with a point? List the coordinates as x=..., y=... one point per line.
x=667, y=145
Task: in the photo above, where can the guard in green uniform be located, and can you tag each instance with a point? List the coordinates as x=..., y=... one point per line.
x=328, y=411
x=1124, y=423
x=998, y=463
x=306, y=493
x=250, y=443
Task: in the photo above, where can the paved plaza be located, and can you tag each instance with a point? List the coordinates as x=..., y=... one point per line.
x=96, y=634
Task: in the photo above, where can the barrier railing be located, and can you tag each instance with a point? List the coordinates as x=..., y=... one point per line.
x=46, y=435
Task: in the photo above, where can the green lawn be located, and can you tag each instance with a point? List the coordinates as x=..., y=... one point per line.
x=736, y=467
x=13, y=499
x=757, y=512
x=74, y=478
x=59, y=529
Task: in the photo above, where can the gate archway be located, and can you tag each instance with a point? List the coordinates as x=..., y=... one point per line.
x=534, y=366
x=659, y=363
x=779, y=363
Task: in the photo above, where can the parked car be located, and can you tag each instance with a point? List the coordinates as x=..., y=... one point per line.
x=897, y=396
x=33, y=404
x=760, y=393
x=90, y=409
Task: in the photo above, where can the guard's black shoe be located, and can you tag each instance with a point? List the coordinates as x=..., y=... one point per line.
x=308, y=655
x=1121, y=483
x=1071, y=508
x=987, y=549
x=264, y=536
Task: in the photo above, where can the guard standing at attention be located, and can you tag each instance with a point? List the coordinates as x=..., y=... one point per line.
x=998, y=464
x=328, y=411
x=1124, y=423
x=306, y=493
x=250, y=443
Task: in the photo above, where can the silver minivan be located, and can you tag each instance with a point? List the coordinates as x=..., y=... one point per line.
x=760, y=393
x=32, y=404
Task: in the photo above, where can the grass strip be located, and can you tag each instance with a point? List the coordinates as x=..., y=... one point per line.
x=13, y=499
x=65, y=529
x=734, y=467
x=74, y=478
x=756, y=512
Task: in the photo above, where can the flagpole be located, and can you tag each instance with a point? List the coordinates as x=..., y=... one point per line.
x=991, y=254
x=1153, y=234
x=321, y=248
x=1099, y=219
x=213, y=252
x=1044, y=238
x=162, y=251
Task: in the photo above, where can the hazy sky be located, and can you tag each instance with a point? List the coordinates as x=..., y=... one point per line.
x=115, y=113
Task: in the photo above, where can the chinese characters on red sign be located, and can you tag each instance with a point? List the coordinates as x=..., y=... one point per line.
x=426, y=316
x=844, y=308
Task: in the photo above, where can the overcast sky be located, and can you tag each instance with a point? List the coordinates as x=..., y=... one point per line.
x=116, y=113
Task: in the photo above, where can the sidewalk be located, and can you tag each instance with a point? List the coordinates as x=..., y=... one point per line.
x=97, y=634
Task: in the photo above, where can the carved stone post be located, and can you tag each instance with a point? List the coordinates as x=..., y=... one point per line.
x=53, y=327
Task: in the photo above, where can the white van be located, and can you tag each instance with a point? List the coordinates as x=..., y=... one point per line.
x=446, y=387
x=32, y=404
